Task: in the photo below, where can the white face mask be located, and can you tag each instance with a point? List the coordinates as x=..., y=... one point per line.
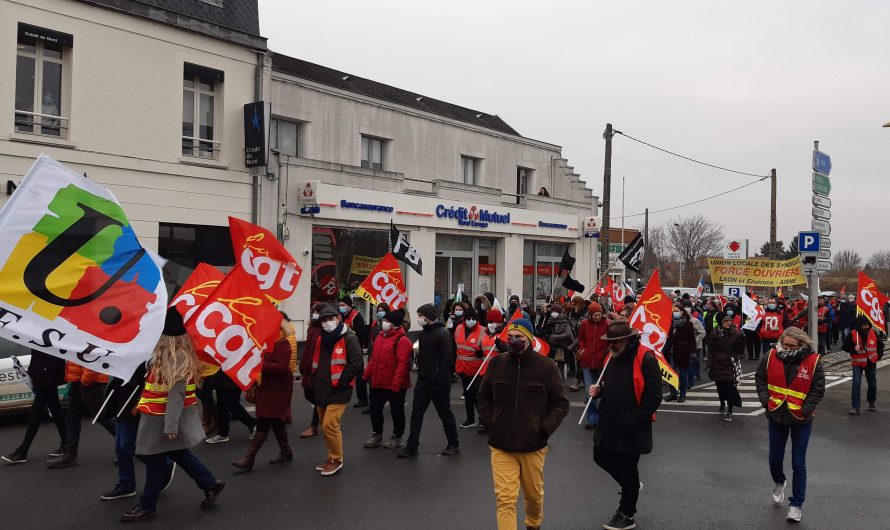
x=314, y=316
x=554, y=314
x=329, y=325
x=422, y=321
x=677, y=314
x=458, y=314
x=492, y=328
x=470, y=323
x=385, y=326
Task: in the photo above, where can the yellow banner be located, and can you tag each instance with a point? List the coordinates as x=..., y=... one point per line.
x=363, y=265
x=756, y=272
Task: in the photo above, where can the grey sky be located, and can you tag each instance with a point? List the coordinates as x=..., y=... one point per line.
x=743, y=85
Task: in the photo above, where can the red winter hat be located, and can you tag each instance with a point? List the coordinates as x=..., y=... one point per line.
x=494, y=315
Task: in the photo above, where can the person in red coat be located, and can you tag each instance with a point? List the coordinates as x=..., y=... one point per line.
x=591, y=354
x=678, y=348
x=273, y=397
x=388, y=373
x=313, y=331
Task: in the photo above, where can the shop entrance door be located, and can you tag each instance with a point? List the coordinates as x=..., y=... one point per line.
x=453, y=268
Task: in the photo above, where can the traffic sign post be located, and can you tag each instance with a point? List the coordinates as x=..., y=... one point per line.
x=821, y=213
x=824, y=227
x=821, y=162
x=809, y=242
x=821, y=185
x=823, y=202
x=826, y=243
x=812, y=252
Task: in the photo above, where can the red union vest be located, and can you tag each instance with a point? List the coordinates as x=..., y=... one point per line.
x=822, y=312
x=338, y=360
x=467, y=362
x=154, y=396
x=487, y=344
x=772, y=327
x=349, y=319
x=780, y=391
x=867, y=354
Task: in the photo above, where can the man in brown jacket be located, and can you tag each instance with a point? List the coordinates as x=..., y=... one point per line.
x=521, y=404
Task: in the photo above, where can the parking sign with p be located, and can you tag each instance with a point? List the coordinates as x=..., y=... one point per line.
x=809, y=242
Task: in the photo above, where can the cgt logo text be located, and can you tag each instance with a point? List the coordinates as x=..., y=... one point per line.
x=472, y=217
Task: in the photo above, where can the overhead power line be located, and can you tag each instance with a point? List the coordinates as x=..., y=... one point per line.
x=761, y=179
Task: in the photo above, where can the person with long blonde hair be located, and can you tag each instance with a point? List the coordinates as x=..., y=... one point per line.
x=170, y=422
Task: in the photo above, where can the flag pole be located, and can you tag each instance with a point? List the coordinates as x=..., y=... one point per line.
x=103, y=406
x=491, y=351
x=601, y=278
x=590, y=399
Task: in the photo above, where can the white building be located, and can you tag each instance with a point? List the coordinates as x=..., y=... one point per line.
x=381, y=154
x=144, y=97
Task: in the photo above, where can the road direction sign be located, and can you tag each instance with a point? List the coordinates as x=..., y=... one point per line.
x=821, y=162
x=823, y=266
x=821, y=185
x=808, y=242
x=825, y=254
x=821, y=201
x=826, y=243
x=823, y=227
x=821, y=213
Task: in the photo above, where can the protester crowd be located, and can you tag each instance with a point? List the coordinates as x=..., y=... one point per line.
x=511, y=394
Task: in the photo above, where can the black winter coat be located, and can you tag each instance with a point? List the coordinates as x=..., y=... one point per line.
x=124, y=396
x=847, y=315
x=45, y=370
x=521, y=401
x=325, y=392
x=726, y=346
x=626, y=426
x=782, y=415
x=435, y=356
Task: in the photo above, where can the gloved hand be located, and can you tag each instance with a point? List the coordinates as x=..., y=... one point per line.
x=480, y=354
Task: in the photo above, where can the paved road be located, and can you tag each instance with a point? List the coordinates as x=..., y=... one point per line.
x=703, y=474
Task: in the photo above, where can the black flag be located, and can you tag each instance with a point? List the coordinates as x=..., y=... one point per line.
x=567, y=263
x=400, y=248
x=632, y=255
x=572, y=284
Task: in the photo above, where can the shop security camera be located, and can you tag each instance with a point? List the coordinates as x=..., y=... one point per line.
x=306, y=252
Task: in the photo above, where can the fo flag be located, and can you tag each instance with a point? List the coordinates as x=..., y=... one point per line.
x=234, y=325
x=385, y=285
x=632, y=255
x=264, y=258
x=402, y=251
x=74, y=281
x=618, y=291
x=652, y=318
x=869, y=302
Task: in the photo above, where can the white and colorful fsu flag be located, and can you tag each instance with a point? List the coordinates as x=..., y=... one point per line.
x=753, y=311
x=74, y=281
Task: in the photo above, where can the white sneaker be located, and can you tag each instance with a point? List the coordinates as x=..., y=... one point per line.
x=779, y=492
x=217, y=439
x=793, y=514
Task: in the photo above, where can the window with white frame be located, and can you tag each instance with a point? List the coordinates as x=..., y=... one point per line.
x=39, y=81
x=469, y=169
x=372, y=152
x=284, y=137
x=523, y=174
x=199, y=100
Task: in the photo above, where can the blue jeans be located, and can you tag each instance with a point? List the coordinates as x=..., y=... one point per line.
x=871, y=378
x=684, y=378
x=125, y=451
x=823, y=343
x=694, y=367
x=590, y=376
x=156, y=474
x=800, y=438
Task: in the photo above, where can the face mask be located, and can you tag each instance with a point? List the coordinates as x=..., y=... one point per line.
x=381, y=314
x=458, y=314
x=485, y=306
x=314, y=316
x=385, y=326
x=554, y=314
x=730, y=312
x=329, y=325
x=518, y=345
x=422, y=321
x=781, y=307
x=343, y=309
x=492, y=328
x=677, y=315
x=470, y=323
x=771, y=306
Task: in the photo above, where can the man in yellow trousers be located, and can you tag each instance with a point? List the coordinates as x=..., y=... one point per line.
x=521, y=403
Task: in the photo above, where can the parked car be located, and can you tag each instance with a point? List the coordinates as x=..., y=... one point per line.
x=14, y=393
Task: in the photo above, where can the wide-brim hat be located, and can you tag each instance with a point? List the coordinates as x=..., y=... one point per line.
x=619, y=330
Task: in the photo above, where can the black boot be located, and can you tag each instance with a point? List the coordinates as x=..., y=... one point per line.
x=246, y=461
x=284, y=452
x=68, y=458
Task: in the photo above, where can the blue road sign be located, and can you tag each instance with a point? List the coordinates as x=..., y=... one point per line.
x=310, y=210
x=821, y=162
x=809, y=242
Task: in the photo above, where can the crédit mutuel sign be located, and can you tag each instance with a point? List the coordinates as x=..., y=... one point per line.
x=472, y=217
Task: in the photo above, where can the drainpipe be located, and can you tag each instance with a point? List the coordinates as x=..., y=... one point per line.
x=257, y=95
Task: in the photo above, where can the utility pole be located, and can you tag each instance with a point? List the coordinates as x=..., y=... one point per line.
x=646, y=247
x=607, y=190
x=773, y=251
x=812, y=306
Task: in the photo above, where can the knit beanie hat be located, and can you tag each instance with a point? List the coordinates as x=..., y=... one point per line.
x=470, y=313
x=594, y=308
x=347, y=300
x=523, y=326
x=429, y=311
x=396, y=318
x=493, y=315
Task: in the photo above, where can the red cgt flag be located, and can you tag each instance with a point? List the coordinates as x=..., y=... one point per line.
x=870, y=302
x=202, y=282
x=652, y=318
x=263, y=257
x=234, y=326
x=385, y=285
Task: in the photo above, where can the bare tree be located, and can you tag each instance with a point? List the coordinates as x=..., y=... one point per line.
x=657, y=249
x=694, y=238
x=847, y=261
x=880, y=260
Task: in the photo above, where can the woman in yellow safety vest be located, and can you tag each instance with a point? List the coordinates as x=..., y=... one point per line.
x=170, y=422
x=790, y=383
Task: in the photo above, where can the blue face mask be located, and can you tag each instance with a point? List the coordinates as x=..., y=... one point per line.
x=771, y=306
x=381, y=314
x=343, y=310
x=458, y=314
x=730, y=312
